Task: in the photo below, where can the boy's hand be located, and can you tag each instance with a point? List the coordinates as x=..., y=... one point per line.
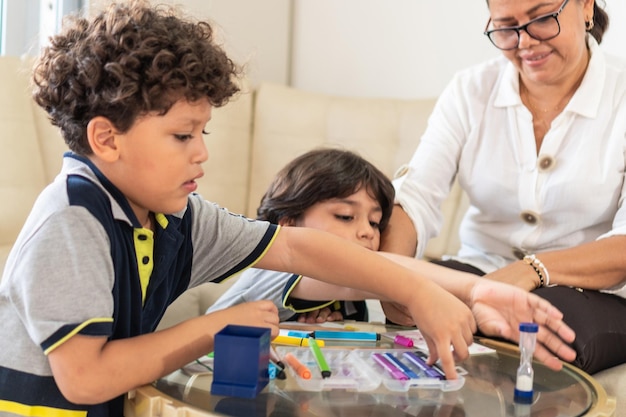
x=445, y=322
x=499, y=309
x=261, y=313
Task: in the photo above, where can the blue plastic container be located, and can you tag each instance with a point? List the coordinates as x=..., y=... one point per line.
x=240, y=366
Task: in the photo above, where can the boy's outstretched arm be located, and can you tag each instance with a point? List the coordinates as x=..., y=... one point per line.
x=499, y=309
x=444, y=320
x=92, y=370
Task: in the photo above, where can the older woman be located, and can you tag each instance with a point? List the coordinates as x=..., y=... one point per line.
x=537, y=139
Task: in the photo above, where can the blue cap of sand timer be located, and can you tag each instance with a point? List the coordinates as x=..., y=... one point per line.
x=525, y=373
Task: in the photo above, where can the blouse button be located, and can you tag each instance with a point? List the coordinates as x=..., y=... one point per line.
x=145, y=260
x=142, y=237
x=545, y=163
x=518, y=253
x=530, y=217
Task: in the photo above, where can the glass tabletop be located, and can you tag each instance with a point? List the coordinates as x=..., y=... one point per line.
x=487, y=390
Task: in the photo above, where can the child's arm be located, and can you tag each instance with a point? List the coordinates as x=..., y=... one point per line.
x=91, y=370
x=443, y=319
x=498, y=310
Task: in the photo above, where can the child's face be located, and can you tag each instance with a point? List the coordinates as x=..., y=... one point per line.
x=355, y=218
x=160, y=158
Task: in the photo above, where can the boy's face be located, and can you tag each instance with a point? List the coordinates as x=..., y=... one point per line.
x=355, y=218
x=160, y=158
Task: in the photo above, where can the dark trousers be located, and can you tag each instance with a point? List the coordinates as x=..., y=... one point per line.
x=598, y=319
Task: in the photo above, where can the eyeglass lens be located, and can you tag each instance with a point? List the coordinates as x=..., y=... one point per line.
x=542, y=29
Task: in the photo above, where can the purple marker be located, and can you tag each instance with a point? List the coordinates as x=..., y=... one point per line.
x=421, y=363
x=386, y=364
x=434, y=366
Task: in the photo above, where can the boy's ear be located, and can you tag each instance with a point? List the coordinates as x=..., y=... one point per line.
x=101, y=137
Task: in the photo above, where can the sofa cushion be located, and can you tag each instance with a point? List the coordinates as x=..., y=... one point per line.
x=22, y=175
x=226, y=173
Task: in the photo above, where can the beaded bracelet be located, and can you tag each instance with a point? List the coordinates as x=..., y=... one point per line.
x=540, y=269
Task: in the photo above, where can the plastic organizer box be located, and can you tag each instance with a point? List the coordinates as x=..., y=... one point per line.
x=357, y=370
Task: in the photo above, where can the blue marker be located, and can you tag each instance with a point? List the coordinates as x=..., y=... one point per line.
x=354, y=336
x=299, y=333
x=408, y=372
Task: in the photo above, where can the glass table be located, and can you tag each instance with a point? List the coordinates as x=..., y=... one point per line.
x=487, y=391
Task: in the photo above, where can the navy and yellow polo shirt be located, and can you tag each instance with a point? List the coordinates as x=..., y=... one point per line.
x=83, y=264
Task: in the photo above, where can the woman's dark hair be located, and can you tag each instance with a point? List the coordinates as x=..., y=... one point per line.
x=127, y=61
x=320, y=175
x=600, y=22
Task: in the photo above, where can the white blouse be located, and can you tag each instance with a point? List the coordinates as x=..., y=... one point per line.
x=572, y=192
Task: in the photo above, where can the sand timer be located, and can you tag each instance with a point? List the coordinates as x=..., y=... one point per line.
x=525, y=373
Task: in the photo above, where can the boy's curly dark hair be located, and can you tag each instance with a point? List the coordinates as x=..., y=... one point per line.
x=129, y=60
x=320, y=175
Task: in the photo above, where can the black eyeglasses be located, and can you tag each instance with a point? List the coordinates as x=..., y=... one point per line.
x=541, y=28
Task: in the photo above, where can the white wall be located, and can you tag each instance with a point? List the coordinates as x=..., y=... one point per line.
x=615, y=38
x=399, y=48
x=256, y=33
x=20, y=27
x=382, y=48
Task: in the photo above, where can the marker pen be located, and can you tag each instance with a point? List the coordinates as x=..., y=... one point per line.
x=390, y=367
x=436, y=367
x=275, y=357
x=421, y=363
x=353, y=336
x=299, y=368
x=277, y=362
x=299, y=333
x=319, y=358
x=403, y=341
x=407, y=371
x=275, y=371
x=294, y=341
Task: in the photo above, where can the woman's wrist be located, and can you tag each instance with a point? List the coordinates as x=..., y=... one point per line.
x=540, y=270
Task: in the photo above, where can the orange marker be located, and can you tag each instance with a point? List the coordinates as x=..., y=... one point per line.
x=299, y=368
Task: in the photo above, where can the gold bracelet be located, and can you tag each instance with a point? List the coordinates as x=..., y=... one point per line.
x=539, y=268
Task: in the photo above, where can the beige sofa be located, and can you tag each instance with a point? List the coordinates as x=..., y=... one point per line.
x=251, y=138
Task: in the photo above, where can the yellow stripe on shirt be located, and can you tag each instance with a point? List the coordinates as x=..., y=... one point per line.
x=38, y=410
x=75, y=331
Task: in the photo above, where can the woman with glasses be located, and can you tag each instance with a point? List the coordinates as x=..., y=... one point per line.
x=537, y=140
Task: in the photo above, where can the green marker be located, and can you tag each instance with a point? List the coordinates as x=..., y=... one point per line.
x=319, y=358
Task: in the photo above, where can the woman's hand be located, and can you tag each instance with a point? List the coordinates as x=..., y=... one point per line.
x=499, y=309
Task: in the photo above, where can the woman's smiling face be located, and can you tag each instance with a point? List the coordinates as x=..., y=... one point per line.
x=551, y=61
